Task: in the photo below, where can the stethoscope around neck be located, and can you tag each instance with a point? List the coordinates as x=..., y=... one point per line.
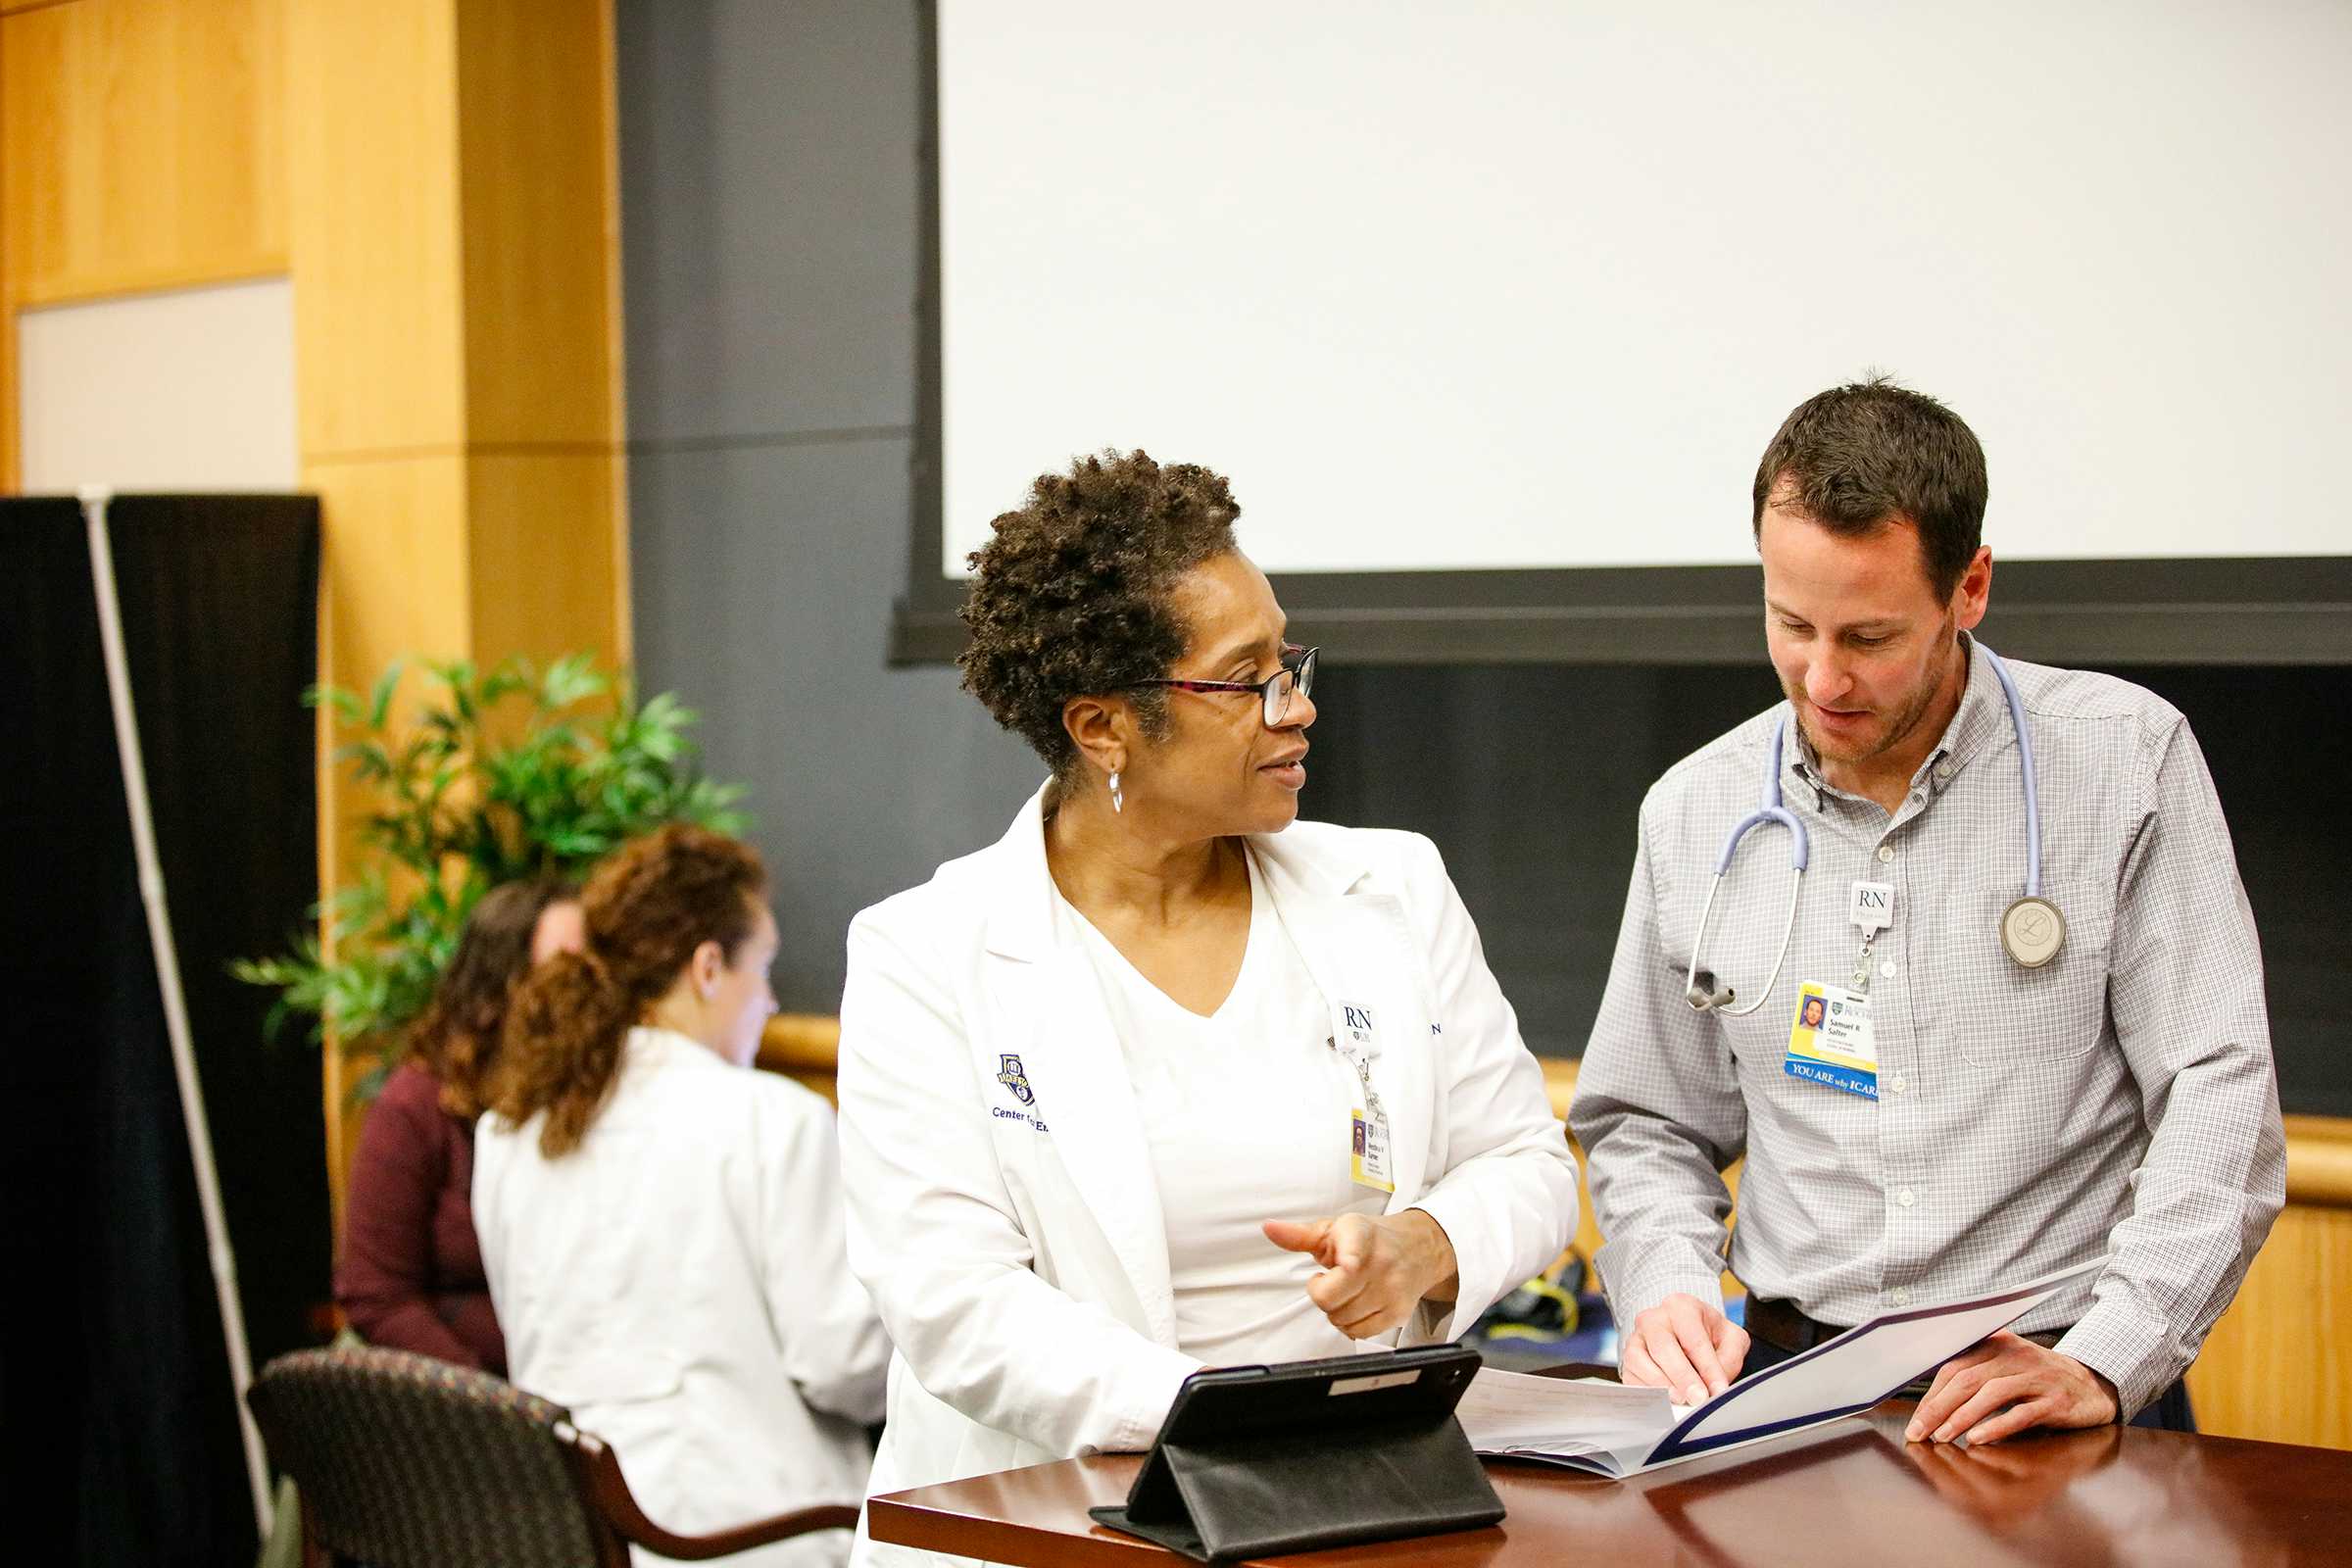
x=2032, y=928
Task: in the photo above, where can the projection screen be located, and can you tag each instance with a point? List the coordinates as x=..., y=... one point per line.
x=1488, y=310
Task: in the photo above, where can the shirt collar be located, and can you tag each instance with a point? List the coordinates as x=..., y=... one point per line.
x=659, y=1048
x=1977, y=721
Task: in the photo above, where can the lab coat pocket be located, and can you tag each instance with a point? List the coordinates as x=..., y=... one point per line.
x=2008, y=1018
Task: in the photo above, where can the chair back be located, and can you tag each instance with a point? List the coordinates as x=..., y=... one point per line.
x=408, y=1462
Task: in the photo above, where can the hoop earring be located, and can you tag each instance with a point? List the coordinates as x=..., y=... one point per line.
x=1118, y=801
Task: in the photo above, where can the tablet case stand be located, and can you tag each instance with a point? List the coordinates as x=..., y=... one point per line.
x=1262, y=1493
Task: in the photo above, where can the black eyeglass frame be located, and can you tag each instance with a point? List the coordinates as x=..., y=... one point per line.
x=1297, y=674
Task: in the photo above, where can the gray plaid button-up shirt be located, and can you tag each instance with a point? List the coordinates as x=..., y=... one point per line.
x=2120, y=1100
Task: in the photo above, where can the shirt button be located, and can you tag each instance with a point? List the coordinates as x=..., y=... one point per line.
x=1888, y=968
x=1905, y=1196
x=1898, y=1083
x=1943, y=771
x=1886, y=853
x=1899, y=1295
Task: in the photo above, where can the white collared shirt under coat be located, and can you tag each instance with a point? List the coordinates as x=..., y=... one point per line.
x=1016, y=1249
x=678, y=1282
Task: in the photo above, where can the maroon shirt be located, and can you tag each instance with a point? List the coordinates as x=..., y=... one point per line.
x=411, y=1276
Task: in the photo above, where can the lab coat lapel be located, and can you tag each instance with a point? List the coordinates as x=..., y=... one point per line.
x=1051, y=1001
x=1085, y=1096
x=1358, y=949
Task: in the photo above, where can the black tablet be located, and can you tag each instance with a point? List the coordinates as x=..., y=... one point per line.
x=1305, y=1454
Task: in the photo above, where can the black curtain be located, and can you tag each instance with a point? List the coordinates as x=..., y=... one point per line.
x=121, y=1441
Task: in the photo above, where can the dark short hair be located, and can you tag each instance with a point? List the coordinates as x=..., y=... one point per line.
x=1862, y=456
x=1072, y=595
x=457, y=1036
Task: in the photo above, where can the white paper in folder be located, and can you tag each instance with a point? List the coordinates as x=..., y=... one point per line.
x=1616, y=1431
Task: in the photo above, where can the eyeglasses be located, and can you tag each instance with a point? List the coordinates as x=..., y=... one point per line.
x=1297, y=674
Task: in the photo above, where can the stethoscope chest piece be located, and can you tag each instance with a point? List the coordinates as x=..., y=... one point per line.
x=2032, y=931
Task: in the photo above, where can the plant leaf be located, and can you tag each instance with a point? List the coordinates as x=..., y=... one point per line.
x=452, y=807
x=380, y=700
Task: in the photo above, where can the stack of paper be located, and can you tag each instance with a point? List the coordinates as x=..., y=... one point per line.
x=1585, y=1423
x=1615, y=1431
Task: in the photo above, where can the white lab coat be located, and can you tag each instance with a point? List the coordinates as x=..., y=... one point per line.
x=1016, y=1247
x=678, y=1281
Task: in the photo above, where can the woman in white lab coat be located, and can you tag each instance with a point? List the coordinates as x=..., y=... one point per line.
x=1165, y=1078
x=661, y=1227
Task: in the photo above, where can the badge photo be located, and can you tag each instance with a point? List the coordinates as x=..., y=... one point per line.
x=1831, y=1041
x=1368, y=1156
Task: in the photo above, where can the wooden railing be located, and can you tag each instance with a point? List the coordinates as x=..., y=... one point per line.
x=804, y=1046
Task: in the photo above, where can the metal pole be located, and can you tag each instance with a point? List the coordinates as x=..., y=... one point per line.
x=175, y=1006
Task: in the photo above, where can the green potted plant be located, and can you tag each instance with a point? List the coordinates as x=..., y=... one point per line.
x=496, y=775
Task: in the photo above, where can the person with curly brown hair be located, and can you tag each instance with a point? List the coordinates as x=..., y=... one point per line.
x=411, y=1273
x=1166, y=1078
x=663, y=1229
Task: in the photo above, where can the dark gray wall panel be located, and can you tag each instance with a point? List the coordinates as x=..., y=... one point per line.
x=1529, y=778
x=769, y=209
x=764, y=578
x=770, y=230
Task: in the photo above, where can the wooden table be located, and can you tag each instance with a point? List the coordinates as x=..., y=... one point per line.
x=1852, y=1493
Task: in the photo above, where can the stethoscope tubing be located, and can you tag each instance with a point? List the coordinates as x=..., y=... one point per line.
x=1796, y=885
x=1772, y=808
x=2024, y=767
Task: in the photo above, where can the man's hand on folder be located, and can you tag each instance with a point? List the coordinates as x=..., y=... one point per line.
x=1687, y=1346
x=2008, y=1384
x=1376, y=1268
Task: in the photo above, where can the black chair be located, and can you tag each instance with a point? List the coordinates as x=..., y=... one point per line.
x=408, y=1462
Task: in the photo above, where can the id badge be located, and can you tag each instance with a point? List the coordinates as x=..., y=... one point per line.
x=1829, y=1042
x=1368, y=1152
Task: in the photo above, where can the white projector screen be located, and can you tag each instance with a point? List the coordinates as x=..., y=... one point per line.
x=1490, y=309
x=1521, y=285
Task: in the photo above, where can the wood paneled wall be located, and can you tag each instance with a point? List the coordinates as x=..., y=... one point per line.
x=142, y=146
x=2279, y=1365
x=439, y=179
x=146, y=145
x=456, y=296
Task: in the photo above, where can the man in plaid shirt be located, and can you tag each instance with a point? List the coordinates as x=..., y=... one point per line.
x=1982, y=1121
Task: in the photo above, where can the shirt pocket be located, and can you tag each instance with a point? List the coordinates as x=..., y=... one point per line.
x=2009, y=1018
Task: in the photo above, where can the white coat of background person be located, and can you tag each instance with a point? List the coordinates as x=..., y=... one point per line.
x=661, y=1227
x=1100, y=1081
